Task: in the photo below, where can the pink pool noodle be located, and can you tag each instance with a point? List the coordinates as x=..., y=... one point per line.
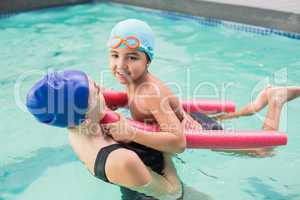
x=115, y=99
x=215, y=139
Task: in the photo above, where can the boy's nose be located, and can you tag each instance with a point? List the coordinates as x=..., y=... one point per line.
x=121, y=65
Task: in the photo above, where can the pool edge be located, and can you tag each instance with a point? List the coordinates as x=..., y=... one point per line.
x=274, y=19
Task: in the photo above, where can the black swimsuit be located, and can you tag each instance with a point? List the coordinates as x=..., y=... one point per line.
x=206, y=122
x=150, y=157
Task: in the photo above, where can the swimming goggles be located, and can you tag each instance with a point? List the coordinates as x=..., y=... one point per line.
x=130, y=42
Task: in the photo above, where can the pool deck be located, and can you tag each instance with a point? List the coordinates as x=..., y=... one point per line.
x=278, y=14
x=290, y=6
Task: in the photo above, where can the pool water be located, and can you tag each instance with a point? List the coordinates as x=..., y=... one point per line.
x=195, y=60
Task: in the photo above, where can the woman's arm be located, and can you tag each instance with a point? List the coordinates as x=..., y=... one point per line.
x=124, y=167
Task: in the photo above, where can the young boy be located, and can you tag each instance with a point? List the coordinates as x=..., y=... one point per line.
x=131, y=46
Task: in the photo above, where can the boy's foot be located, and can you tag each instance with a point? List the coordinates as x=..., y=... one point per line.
x=280, y=95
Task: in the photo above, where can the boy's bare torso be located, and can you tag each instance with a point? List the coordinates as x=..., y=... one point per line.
x=148, y=90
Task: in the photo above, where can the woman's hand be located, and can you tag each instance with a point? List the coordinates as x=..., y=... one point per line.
x=120, y=131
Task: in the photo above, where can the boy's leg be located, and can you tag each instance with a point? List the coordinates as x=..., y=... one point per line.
x=260, y=102
x=277, y=97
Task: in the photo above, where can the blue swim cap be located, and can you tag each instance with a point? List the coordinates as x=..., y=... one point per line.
x=60, y=98
x=140, y=29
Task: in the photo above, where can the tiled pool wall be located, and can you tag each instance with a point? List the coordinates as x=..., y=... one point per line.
x=282, y=20
x=210, y=21
x=263, y=22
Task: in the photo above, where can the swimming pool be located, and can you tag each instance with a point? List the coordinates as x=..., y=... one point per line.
x=196, y=59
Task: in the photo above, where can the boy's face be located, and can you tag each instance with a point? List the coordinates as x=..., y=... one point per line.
x=127, y=65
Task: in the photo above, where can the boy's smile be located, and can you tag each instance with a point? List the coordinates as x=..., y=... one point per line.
x=127, y=65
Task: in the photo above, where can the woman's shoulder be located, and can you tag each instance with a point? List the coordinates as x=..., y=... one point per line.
x=124, y=167
x=122, y=157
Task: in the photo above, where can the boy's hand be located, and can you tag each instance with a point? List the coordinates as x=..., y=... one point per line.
x=120, y=131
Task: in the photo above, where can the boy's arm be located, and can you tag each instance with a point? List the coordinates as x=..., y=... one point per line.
x=124, y=167
x=171, y=139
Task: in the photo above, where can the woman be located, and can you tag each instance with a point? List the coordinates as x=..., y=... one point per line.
x=69, y=99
